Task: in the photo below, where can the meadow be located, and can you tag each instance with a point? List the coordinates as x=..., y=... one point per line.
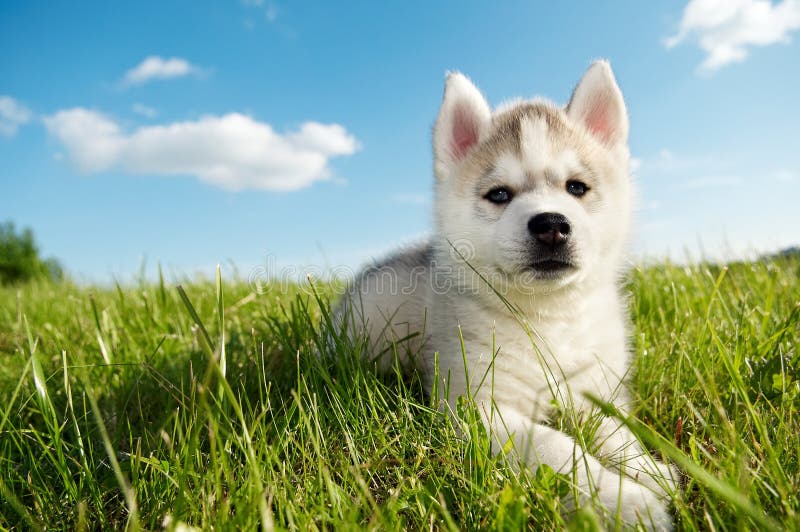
x=202, y=404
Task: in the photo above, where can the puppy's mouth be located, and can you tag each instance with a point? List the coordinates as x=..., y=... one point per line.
x=552, y=265
x=551, y=268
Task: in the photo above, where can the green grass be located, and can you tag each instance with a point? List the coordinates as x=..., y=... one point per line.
x=145, y=407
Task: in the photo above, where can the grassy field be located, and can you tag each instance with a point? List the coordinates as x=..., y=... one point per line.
x=114, y=412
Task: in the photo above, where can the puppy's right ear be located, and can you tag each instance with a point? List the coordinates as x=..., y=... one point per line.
x=463, y=121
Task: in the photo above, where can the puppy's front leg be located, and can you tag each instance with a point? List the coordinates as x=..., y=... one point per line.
x=535, y=444
x=619, y=444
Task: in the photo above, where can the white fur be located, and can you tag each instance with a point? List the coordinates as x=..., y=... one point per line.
x=571, y=337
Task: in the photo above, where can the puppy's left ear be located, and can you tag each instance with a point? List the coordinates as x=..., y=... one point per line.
x=597, y=104
x=463, y=121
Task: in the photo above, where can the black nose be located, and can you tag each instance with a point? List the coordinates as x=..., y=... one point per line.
x=551, y=229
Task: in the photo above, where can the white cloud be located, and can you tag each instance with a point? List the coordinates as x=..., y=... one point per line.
x=144, y=110
x=158, y=68
x=269, y=10
x=727, y=29
x=93, y=141
x=12, y=115
x=232, y=151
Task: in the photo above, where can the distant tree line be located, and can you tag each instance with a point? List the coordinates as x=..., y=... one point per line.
x=20, y=260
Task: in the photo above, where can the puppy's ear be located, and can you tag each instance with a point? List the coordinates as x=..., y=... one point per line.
x=597, y=104
x=463, y=120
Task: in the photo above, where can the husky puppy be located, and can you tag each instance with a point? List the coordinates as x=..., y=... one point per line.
x=532, y=212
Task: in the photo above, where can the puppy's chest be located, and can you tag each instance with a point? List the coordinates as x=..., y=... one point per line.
x=557, y=348
x=565, y=358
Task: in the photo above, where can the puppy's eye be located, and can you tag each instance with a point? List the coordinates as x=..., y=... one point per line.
x=577, y=188
x=499, y=195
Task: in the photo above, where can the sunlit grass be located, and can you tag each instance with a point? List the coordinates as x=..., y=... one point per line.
x=124, y=408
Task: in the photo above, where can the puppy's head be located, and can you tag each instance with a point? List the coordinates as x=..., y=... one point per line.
x=533, y=191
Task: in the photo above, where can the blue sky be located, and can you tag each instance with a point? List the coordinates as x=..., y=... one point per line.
x=253, y=132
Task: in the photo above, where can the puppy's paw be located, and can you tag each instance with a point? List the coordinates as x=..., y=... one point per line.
x=637, y=504
x=662, y=479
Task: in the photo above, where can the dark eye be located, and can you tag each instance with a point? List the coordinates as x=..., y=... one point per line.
x=499, y=195
x=577, y=188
